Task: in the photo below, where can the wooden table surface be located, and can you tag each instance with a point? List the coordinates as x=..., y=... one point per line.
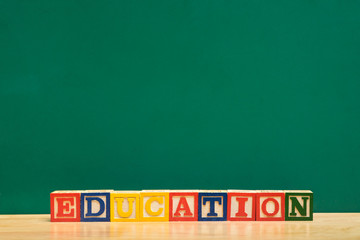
x=325, y=226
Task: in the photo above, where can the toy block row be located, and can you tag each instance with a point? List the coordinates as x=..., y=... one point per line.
x=181, y=205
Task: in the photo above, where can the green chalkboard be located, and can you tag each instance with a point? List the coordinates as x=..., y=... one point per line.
x=179, y=94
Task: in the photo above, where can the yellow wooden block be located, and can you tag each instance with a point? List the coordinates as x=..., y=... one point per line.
x=154, y=206
x=125, y=206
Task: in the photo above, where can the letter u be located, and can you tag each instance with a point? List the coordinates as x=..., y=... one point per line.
x=120, y=207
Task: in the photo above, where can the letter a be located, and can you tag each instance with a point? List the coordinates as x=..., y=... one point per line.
x=183, y=206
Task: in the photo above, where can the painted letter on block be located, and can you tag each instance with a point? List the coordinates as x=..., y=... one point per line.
x=95, y=207
x=298, y=206
x=241, y=205
x=125, y=206
x=270, y=206
x=65, y=206
x=154, y=206
x=183, y=206
x=212, y=206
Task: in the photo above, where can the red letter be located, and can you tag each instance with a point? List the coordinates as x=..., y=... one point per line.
x=263, y=207
x=65, y=207
x=183, y=205
x=241, y=212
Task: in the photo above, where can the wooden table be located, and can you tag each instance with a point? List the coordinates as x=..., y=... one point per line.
x=325, y=226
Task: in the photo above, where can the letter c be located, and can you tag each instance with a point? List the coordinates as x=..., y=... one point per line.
x=160, y=200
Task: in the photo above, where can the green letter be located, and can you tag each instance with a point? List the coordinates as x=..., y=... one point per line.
x=297, y=205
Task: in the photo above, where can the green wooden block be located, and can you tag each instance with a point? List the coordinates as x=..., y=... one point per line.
x=298, y=205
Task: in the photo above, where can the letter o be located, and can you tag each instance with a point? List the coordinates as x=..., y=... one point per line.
x=264, y=209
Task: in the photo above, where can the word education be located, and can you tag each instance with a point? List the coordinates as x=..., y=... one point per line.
x=181, y=205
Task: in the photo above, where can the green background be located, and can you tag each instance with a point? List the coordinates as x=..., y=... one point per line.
x=179, y=94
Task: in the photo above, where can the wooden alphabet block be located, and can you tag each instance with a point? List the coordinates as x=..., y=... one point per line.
x=298, y=205
x=183, y=205
x=95, y=206
x=212, y=205
x=241, y=205
x=270, y=206
x=154, y=205
x=65, y=206
x=125, y=206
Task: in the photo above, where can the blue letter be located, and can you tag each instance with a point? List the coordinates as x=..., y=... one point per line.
x=89, y=211
x=212, y=201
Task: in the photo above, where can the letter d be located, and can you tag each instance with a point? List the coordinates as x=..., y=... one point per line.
x=89, y=207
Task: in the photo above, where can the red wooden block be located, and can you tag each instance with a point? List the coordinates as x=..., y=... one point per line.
x=65, y=206
x=241, y=205
x=270, y=206
x=183, y=205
